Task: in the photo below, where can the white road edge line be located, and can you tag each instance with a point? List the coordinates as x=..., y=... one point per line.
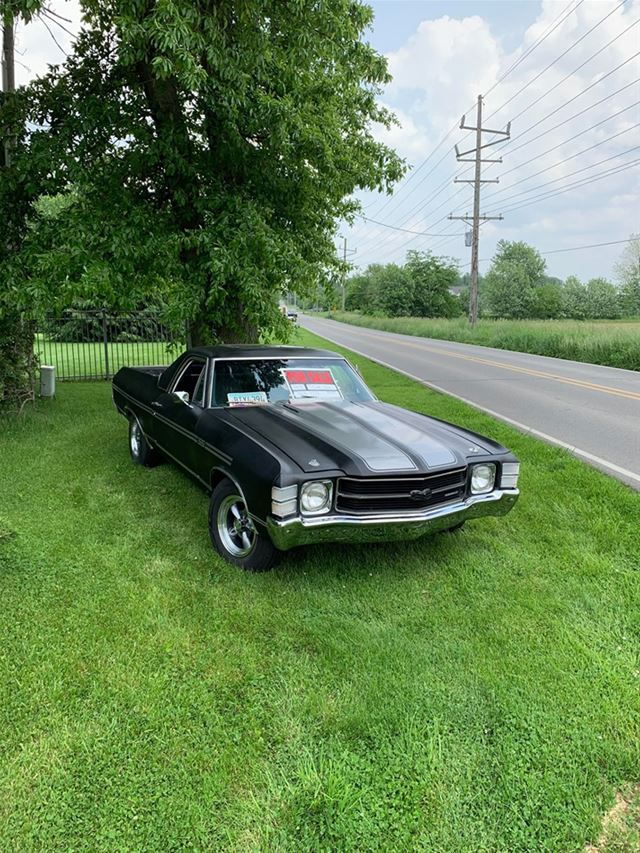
x=550, y=439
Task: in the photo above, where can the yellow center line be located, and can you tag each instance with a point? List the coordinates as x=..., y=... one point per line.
x=541, y=374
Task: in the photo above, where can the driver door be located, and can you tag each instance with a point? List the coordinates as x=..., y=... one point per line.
x=175, y=419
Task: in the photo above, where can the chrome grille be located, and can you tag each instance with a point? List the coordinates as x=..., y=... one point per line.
x=394, y=494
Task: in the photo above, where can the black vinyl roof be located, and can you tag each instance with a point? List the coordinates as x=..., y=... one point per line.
x=258, y=351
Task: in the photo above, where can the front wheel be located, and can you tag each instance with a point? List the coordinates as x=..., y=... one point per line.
x=233, y=533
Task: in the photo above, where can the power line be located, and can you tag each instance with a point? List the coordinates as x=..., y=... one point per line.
x=394, y=249
x=575, y=136
x=579, y=94
x=558, y=58
x=406, y=230
x=572, y=157
x=553, y=112
x=554, y=26
x=390, y=248
x=543, y=196
x=555, y=192
x=575, y=115
x=424, y=177
x=415, y=171
x=421, y=205
x=589, y=246
x=586, y=181
x=573, y=248
x=575, y=70
x=565, y=160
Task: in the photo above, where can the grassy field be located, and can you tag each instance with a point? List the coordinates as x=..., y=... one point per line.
x=477, y=691
x=89, y=360
x=615, y=343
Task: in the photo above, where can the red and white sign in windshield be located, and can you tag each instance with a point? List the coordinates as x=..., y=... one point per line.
x=312, y=383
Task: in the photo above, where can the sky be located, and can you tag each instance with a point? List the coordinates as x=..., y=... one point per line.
x=548, y=66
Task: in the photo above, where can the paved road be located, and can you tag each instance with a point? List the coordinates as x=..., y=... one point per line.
x=592, y=410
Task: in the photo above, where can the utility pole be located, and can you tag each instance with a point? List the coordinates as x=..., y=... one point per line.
x=8, y=76
x=344, y=270
x=462, y=157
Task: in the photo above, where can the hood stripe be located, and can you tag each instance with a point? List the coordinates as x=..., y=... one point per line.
x=341, y=429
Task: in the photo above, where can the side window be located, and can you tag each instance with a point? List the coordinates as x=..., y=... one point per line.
x=192, y=380
x=198, y=394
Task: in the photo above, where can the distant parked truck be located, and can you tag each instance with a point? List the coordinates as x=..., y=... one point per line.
x=290, y=313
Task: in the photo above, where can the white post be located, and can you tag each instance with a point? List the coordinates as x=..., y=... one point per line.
x=47, y=380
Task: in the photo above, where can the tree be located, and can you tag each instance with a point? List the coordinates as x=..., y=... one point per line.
x=432, y=277
x=362, y=294
x=547, y=301
x=517, y=270
x=573, y=299
x=211, y=149
x=396, y=290
x=464, y=282
x=601, y=300
x=628, y=275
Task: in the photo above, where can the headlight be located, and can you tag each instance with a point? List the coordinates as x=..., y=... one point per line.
x=482, y=478
x=315, y=497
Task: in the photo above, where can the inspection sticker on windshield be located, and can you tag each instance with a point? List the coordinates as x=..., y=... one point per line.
x=247, y=398
x=312, y=383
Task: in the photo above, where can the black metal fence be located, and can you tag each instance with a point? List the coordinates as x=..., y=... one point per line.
x=96, y=344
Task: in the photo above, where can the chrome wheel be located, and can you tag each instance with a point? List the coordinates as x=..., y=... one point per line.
x=235, y=528
x=135, y=437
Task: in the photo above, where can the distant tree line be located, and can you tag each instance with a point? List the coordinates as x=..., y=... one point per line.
x=515, y=287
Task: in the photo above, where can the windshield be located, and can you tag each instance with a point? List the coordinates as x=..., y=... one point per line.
x=255, y=383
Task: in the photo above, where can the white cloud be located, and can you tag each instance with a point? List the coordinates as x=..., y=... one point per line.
x=441, y=68
x=407, y=138
x=445, y=62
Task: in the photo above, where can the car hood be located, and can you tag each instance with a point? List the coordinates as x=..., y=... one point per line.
x=362, y=438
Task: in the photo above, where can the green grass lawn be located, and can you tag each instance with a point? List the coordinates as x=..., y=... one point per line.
x=615, y=343
x=478, y=691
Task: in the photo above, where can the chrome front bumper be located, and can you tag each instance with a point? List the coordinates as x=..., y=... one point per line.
x=386, y=528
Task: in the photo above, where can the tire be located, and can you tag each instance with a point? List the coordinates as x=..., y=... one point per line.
x=141, y=451
x=233, y=534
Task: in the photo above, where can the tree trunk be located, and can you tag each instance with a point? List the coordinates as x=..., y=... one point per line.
x=237, y=329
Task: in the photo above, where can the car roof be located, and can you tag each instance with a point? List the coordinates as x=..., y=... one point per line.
x=262, y=351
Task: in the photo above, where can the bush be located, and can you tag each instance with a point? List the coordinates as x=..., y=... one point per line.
x=85, y=323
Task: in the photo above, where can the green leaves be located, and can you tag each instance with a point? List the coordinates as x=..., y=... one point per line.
x=418, y=289
x=212, y=148
x=510, y=285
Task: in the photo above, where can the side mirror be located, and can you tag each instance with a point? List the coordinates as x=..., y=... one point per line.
x=182, y=395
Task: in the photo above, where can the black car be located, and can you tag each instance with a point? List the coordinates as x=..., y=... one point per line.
x=295, y=449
